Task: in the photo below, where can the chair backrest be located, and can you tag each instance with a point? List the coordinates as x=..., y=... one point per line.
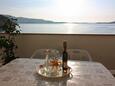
x=41, y=53
x=79, y=54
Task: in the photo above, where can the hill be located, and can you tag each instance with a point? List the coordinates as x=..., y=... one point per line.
x=31, y=20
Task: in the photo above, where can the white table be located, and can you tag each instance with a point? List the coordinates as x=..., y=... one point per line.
x=22, y=72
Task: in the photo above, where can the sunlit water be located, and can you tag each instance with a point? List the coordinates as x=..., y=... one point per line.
x=68, y=28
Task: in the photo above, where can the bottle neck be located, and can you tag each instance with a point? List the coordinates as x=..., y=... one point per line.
x=65, y=49
x=65, y=46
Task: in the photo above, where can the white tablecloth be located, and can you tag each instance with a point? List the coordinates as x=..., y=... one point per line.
x=22, y=72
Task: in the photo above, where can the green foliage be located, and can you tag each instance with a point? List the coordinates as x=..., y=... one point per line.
x=7, y=40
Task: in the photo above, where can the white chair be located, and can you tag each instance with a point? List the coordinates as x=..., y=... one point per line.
x=41, y=53
x=79, y=54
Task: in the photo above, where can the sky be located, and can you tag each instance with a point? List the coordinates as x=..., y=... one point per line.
x=61, y=10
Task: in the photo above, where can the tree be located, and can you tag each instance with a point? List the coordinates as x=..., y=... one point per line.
x=8, y=26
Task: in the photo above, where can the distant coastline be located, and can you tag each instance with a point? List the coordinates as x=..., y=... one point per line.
x=43, y=21
x=35, y=21
x=24, y=20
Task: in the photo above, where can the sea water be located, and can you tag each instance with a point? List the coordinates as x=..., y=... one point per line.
x=66, y=28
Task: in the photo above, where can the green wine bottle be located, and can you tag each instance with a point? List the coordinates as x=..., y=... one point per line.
x=64, y=57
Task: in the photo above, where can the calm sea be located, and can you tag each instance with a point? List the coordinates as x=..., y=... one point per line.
x=68, y=28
